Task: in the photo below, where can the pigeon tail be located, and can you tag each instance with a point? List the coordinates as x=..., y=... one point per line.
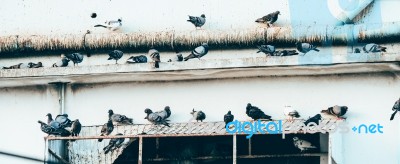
x=260, y=20
x=392, y=116
x=100, y=139
x=99, y=25
x=107, y=149
x=264, y=116
x=315, y=49
x=110, y=58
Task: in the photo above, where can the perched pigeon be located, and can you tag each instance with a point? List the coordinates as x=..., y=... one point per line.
x=63, y=120
x=164, y=113
x=267, y=49
x=76, y=127
x=336, y=110
x=35, y=65
x=303, y=145
x=119, y=119
x=52, y=122
x=357, y=50
x=116, y=55
x=256, y=113
x=137, y=59
x=114, y=143
x=62, y=63
x=269, y=19
x=290, y=113
x=198, y=52
x=75, y=57
x=372, y=47
x=314, y=119
x=285, y=53
x=156, y=118
x=17, y=66
x=155, y=55
x=305, y=47
x=395, y=108
x=111, y=25
x=197, y=21
x=53, y=131
x=228, y=118
x=198, y=115
x=106, y=129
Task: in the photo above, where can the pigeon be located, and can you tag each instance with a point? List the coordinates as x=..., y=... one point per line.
x=50, y=130
x=111, y=25
x=155, y=55
x=119, y=119
x=290, y=113
x=228, y=118
x=372, y=47
x=395, y=108
x=116, y=55
x=198, y=52
x=156, y=118
x=315, y=119
x=336, y=110
x=106, y=129
x=197, y=21
x=303, y=145
x=114, y=143
x=63, y=120
x=75, y=57
x=76, y=127
x=285, y=53
x=357, y=50
x=62, y=63
x=17, y=66
x=256, y=113
x=52, y=122
x=198, y=115
x=267, y=49
x=305, y=47
x=137, y=59
x=164, y=113
x=269, y=19
x=34, y=65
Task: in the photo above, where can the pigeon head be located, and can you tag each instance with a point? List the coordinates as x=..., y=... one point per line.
x=167, y=108
x=229, y=112
x=76, y=120
x=48, y=114
x=205, y=45
x=110, y=112
x=119, y=19
x=295, y=138
x=277, y=12
x=193, y=111
x=148, y=111
x=63, y=56
x=248, y=105
x=40, y=64
x=203, y=16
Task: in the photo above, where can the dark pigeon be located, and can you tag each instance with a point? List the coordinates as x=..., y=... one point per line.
x=75, y=57
x=63, y=120
x=315, y=119
x=228, y=118
x=285, y=53
x=76, y=127
x=50, y=130
x=197, y=21
x=115, y=55
x=256, y=113
x=372, y=47
x=267, y=49
x=35, y=65
x=395, y=108
x=269, y=19
x=305, y=47
x=106, y=129
x=62, y=63
x=156, y=118
x=114, y=143
x=198, y=115
x=336, y=110
x=137, y=59
x=119, y=119
x=155, y=55
x=198, y=52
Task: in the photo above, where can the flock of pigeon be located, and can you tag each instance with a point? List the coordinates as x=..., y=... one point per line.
x=198, y=52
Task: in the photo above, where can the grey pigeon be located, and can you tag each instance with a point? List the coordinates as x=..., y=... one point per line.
x=395, y=108
x=35, y=65
x=267, y=49
x=106, y=129
x=63, y=120
x=336, y=110
x=111, y=25
x=76, y=127
x=303, y=145
x=198, y=52
x=290, y=113
x=198, y=115
x=357, y=50
x=315, y=119
x=228, y=118
x=75, y=57
x=52, y=122
x=305, y=47
x=372, y=47
x=17, y=66
x=155, y=118
x=115, y=55
x=269, y=19
x=62, y=63
x=50, y=130
x=285, y=53
x=137, y=59
x=118, y=118
x=197, y=21
x=155, y=55
x=114, y=143
x=256, y=113
x=164, y=113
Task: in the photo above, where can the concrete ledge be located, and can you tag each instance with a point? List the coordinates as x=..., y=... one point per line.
x=310, y=64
